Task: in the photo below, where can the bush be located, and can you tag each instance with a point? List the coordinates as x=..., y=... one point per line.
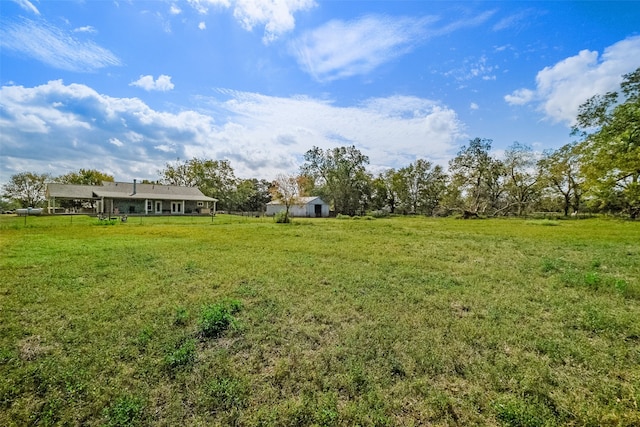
x=217, y=318
x=380, y=213
x=282, y=218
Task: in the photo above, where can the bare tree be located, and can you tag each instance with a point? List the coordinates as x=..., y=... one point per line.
x=286, y=189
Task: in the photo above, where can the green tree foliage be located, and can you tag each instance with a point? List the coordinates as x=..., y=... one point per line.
x=420, y=187
x=340, y=175
x=385, y=188
x=251, y=195
x=27, y=188
x=521, y=185
x=477, y=177
x=215, y=178
x=85, y=177
x=610, y=150
x=559, y=174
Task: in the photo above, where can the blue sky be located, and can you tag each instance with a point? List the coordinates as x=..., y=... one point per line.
x=127, y=86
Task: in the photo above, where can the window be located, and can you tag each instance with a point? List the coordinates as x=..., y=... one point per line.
x=149, y=205
x=200, y=204
x=158, y=207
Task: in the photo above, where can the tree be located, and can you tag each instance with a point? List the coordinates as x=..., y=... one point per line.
x=521, y=183
x=384, y=190
x=215, y=178
x=610, y=150
x=559, y=174
x=286, y=189
x=420, y=187
x=339, y=174
x=85, y=177
x=477, y=177
x=251, y=195
x=27, y=188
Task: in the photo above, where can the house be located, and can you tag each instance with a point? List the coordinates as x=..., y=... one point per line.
x=311, y=207
x=128, y=198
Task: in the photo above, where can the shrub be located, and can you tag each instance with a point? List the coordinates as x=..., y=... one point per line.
x=380, y=213
x=217, y=318
x=282, y=218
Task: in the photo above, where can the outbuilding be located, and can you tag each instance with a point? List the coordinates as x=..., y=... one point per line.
x=308, y=207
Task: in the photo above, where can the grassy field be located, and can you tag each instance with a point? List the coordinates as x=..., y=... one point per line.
x=241, y=321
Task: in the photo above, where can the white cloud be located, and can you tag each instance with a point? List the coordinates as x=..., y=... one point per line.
x=28, y=6
x=162, y=83
x=202, y=26
x=54, y=46
x=473, y=68
x=73, y=126
x=85, y=29
x=175, y=10
x=341, y=49
x=517, y=20
x=563, y=87
x=474, y=106
x=520, y=97
x=276, y=15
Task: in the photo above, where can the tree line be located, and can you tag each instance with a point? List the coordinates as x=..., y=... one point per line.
x=600, y=172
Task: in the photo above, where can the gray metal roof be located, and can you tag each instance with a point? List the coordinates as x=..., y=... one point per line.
x=124, y=190
x=70, y=191
x=303, y=201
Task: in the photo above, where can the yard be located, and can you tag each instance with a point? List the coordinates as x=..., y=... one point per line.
x=393, y=321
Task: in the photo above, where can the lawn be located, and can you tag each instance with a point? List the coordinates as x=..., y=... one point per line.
x=391, y=321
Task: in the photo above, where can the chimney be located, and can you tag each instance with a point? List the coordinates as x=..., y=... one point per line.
x=134, y=186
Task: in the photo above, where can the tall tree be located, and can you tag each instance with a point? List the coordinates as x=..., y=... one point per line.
x=27, y=188
x=420, y=187
x=251, y=195
x=477, y=176
x=559, y=172
x=85, y=177
x=215, y=178
x=384, y=190
x=610, y=150
x=341, y=175
x=521, y=180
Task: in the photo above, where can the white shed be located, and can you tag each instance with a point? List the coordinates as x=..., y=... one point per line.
x=310, y=207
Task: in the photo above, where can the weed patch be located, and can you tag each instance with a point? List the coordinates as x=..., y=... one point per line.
x=182, y=356
x=127, y=411
x=215, y=319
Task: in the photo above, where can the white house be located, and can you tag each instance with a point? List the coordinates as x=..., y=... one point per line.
x=310, y=207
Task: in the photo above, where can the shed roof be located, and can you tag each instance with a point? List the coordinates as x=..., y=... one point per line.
x=303, y=200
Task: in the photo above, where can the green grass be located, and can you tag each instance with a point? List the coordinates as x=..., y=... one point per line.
x=392, y=321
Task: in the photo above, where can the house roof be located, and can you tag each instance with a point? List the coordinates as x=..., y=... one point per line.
x=303, y=200
x=70, y=191
x=124, y=190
